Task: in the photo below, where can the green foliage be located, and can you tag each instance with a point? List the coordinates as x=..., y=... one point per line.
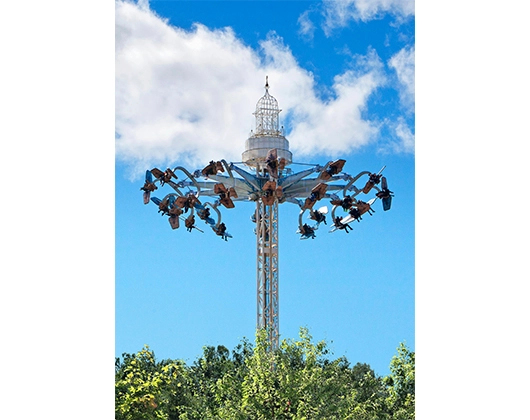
x=401, y=383
x=148, y=390
x=297, y=381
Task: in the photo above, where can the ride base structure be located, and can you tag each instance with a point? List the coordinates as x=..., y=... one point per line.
x=268, y=181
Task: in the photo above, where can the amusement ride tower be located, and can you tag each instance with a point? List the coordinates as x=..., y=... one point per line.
x=267, y=137
x=268, y=183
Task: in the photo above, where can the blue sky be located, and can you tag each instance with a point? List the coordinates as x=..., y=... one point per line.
x=62, y=256
x=188, y=76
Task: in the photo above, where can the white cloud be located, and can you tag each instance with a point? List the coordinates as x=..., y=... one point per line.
x=336, y=126
x=188, y=96
x=338, y=13
x=399, y=137
x=405, y=136
x=403, y=63
x=306, y=26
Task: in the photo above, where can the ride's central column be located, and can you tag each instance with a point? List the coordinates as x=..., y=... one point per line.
x=268, y=135
x=267, y=270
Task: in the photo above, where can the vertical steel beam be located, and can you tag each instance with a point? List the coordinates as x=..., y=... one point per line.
x=268, y=316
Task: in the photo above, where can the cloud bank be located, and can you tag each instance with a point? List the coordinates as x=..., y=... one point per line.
x=188, y=96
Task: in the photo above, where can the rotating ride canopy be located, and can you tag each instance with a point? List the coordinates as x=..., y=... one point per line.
x=268, y=182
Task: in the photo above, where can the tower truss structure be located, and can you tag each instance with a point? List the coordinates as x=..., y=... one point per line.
x=267, y=276
x=268, y=181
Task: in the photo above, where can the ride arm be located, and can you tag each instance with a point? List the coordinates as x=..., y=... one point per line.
x=302, y=188
x=243, y=189
x=351, y=179
x=292, y=179
x=300, y=220
x=191, y=177
x=175, y=187
x=248, y=177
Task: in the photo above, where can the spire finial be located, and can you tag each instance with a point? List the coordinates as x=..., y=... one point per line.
x=267, y=82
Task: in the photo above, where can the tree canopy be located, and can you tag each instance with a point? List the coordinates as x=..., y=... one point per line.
x=297, y=381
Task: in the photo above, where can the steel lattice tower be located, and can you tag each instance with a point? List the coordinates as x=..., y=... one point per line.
x=267, y=136
x=268, y=309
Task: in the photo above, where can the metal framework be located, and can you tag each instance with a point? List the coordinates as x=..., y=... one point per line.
x=269, y=184
x=267, y=270
x=267, y=114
